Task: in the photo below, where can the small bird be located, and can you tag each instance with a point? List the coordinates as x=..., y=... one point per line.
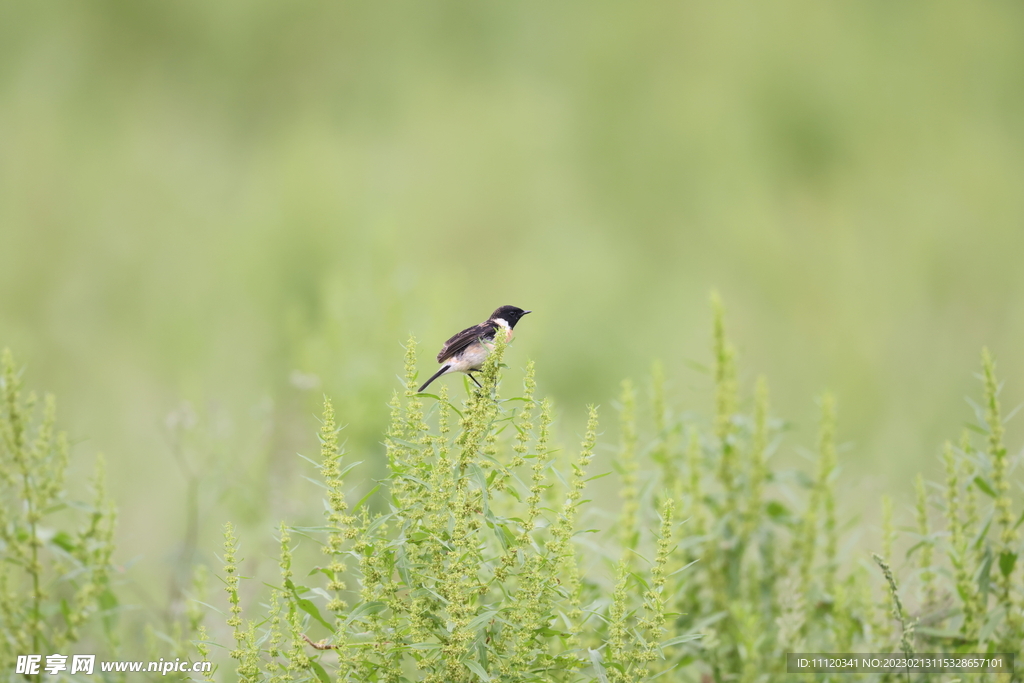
x=467, y=351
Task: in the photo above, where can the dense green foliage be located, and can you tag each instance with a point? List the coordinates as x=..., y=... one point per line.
x=717, y=566
x=55, y=552
x=477, y=557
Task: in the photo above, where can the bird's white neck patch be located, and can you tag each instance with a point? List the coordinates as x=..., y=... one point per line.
x=501, y=322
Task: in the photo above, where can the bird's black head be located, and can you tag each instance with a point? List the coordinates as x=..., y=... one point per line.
x=510, y=314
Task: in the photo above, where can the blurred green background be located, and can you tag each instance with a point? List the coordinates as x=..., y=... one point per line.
x=211, y=213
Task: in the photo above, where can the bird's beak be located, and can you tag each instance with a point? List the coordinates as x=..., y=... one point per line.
x=525, y=312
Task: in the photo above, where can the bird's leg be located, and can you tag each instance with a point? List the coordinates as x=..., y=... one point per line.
x=470, y=373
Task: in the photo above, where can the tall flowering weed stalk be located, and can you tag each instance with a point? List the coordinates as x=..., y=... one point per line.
x=55, y=579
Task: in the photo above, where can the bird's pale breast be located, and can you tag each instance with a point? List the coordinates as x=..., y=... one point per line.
x=470, y=359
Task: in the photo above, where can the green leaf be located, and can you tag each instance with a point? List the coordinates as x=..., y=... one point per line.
x=108, y=600
x=995, y=618
x=560, y=477
x=319, y=671
x=477, y=474
x=63, y=540
x=678, y=640
x=322, y=593
x=975, y=428
x=309, y=460
x=365, y=498
x=305, y=605
x=914, y=548
x=985, y=574
x=108, y=605
x=411, y=445
x=373, y=607
x=402, y=564
x=595, y=661
x=345, y=470
x=548, y=632
x=481, y=620
x=475, y=667
x=424, y=646
x=505, y=536
x=310, y=608
x=372, y=529
x=454, y=408
x=777, y=510
x=684, y=568
x=1006, y=562
x=322, y=570
x=984, y=486
x=982, y=534
x=57, y=507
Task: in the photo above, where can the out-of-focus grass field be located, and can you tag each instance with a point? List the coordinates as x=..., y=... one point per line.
x=213, y=213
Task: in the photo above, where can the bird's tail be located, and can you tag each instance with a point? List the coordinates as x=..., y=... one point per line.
x=444, y=369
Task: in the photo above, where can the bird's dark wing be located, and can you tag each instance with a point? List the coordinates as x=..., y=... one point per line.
x=459, y=342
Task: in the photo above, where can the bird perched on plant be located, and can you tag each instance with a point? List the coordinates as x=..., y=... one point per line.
x=467, y=350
